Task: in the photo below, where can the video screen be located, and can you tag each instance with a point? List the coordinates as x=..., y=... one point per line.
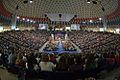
x=43, y=26
x=75, y=27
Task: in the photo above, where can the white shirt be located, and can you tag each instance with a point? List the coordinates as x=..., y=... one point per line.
x=46, y=66
x=38, y=59
x=0, y=54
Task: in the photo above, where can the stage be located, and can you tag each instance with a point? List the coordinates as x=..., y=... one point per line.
x=59, y=49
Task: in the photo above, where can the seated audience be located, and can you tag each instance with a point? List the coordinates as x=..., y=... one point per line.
x=45, y=64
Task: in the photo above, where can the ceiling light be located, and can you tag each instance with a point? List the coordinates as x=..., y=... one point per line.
x=88, y=1
x=91, y=21
x=100, y=19
x=31, y=1
x=23, y=18
x=18, y=17
x=28, y=20
x=31, y=21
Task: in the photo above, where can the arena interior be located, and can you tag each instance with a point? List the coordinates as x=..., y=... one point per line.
x=59, y=39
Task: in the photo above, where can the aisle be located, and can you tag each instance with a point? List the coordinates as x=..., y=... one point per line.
x=41, y=49
x=5, y=75
x=60, y=47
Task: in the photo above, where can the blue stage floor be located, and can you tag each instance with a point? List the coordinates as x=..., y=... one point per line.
x=61, y=49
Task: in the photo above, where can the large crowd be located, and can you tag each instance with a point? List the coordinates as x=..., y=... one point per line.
x=23, y=41
x=19, y=54
x=59, y=66
x=96, y=42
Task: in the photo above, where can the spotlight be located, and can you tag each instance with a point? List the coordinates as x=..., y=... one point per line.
x=88, y=1
x=28, y=20
x=23, y=19
x=100, y=19
x=31, y=1
x=91, y=21
x=18, y=17
x=31, y=21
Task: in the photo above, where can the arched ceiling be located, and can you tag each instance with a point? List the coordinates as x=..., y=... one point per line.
x=81, y=8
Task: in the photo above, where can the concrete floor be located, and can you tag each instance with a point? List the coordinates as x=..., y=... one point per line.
x=4, y=75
